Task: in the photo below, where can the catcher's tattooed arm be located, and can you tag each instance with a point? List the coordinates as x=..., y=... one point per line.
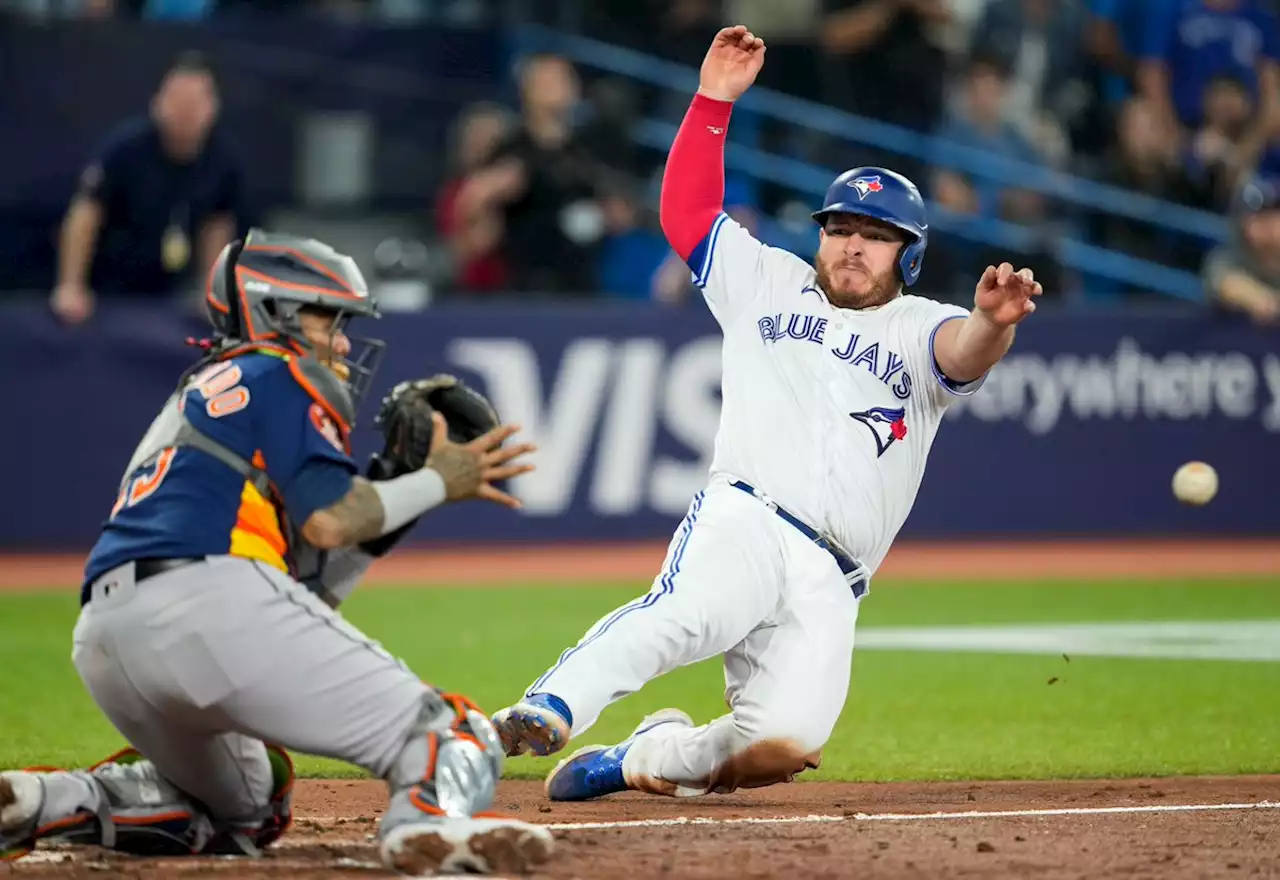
x=355, y=517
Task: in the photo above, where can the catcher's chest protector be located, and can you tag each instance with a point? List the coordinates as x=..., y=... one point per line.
x=200, y=482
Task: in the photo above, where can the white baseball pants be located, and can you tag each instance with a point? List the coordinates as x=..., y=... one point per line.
x=740, y=581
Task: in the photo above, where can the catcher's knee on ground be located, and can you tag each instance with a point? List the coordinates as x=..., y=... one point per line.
x=449, y=764
x=732, y=752
x=123, y=803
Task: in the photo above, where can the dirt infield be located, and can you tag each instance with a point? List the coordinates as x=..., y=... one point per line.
x=596, y=563
x=1204, y=828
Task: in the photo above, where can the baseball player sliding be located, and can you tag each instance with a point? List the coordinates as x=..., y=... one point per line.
x=207, y=633
x=834, y=384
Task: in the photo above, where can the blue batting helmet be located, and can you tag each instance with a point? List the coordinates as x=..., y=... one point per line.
x=888, y=196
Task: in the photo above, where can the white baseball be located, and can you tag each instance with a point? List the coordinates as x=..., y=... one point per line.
x=1195, y=483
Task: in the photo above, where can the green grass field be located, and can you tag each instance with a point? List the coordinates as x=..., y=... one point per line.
x=911, y=714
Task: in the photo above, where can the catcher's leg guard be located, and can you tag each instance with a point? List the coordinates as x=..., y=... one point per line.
x=123, y=803
x=120, y=803
x=251, y=841
x=442, y=782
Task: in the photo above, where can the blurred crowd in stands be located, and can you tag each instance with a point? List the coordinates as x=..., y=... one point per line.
x=550, y=194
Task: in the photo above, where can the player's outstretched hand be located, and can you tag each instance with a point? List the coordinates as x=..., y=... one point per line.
x=470, y=469
x=732, y=63
x=1005, y=296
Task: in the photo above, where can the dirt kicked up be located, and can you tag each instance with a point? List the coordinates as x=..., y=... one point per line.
x=1203, y=827
x=1157, y=828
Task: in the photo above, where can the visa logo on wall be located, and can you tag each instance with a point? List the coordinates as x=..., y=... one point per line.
x=652, y=415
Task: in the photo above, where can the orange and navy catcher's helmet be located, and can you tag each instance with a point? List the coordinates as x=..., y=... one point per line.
x=259, y=284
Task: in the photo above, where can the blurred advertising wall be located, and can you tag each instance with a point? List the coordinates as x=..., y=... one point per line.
x=1078, y=432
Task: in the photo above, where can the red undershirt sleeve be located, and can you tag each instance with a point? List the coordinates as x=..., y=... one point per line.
x=693, y=184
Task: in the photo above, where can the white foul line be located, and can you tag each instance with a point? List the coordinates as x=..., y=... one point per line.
x=60, y=853
x=876, y=817
x=1068, y=811
x=908, y=817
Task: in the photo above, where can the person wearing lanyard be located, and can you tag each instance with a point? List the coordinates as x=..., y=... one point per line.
x=159, y=200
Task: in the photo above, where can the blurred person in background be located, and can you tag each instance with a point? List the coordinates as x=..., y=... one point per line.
x=962, y=30
x=1244, y=273
x=467, y=211
x=978, y=119
x=157, y=204
x=1188, y=45
x=606, y=132
x=1143, y=160
x=1041, y=44
x=1112, y=36
x=551, y=219
x=871, y=44
x=634, y=250
x=669, y=28
x=1223, y=144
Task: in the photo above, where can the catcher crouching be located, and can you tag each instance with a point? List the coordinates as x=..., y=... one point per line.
x=207, y=633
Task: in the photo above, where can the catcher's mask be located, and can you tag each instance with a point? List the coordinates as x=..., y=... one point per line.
x=260, y=285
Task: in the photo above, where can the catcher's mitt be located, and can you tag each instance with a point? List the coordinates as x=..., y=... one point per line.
x=404, y=418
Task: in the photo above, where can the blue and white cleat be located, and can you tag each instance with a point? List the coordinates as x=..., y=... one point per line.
x=540, y=725
x=595, y=771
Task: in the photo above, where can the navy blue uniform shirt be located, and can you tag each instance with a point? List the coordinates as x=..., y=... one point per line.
x=144, y=193
x=187, y=503
x=1197, y=43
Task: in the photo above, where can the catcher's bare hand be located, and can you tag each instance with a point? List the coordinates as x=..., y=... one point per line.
x=732, y=63
x=470, y=469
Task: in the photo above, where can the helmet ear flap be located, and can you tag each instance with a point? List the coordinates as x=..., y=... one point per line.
x=909, y=263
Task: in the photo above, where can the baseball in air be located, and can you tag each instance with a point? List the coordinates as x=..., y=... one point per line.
x=1195, y=483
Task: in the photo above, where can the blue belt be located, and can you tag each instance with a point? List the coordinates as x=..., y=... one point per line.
x=849, y=566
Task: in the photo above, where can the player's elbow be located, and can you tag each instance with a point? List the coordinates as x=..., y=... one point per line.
x=673, y=238
x=325, y=531
x=668, y=218
x=685, y=229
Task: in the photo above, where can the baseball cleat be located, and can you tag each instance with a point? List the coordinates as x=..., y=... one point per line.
x=462, y=845
x=595, y=771
x=535, y=725
x=21, y=796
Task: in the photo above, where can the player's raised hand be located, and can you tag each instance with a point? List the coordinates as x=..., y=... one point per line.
x=1005, y=296
x=732, y=63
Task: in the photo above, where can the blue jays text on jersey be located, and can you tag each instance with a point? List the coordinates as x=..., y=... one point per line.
x=185, y=503
x=885, y=365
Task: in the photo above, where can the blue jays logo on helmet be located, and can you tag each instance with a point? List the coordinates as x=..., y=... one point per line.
x=866, y=185
x=887, y=196
x=887, y=426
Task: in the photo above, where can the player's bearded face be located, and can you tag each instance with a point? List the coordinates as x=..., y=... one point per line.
x=857, y=261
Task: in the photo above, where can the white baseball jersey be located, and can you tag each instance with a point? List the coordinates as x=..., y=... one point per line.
x=828, y=411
